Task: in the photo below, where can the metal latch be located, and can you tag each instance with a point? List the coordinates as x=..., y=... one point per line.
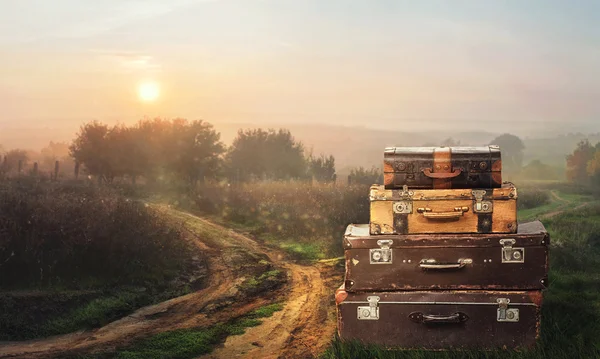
x=405, y=192
x=371, y=312
x=403, y=207
x=482, y=206
x=512, y=254
x=506, y=314
x=383, y=254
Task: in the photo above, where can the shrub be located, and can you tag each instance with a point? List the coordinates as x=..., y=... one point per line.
x=531, y=197
x=69, y=234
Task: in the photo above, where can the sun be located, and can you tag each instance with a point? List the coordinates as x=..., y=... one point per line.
x=148, y=91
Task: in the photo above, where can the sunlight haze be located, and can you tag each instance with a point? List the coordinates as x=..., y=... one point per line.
x=482, y=65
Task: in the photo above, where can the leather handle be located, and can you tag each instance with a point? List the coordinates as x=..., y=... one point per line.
x=432, y=264
x=441, y=175
x=454, y=318
x=449, y=215
x=443, y=215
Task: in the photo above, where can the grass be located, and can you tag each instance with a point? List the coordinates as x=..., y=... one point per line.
x=190, y=343
x=59, y=312
x=305, y=220
x=571, y=308
x=57, y=238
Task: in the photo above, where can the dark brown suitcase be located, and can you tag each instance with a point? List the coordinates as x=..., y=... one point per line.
x=440, y=319
x=442, y=167
x=447, y=261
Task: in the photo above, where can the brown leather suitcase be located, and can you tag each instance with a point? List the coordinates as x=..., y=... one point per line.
x=440, y=319
x=406, y=211
x=442, y=167
x=446, y=261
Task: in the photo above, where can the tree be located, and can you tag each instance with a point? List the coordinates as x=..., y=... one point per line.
x=364, y=176
x=322, y=168
x=593, y=168
x=577, y=162
x=512, y=152
x=91, y=148
x=270, y=154
x=194, y=150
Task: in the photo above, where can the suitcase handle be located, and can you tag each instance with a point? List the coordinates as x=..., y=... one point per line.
x=441, y=175
x=451, y=215
x=419, y=317
x=433, y=264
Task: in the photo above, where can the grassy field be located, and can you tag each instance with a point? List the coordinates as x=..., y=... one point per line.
x=76, y=256
x=571, y=309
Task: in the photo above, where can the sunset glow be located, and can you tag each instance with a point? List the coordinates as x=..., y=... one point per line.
x=148, y=91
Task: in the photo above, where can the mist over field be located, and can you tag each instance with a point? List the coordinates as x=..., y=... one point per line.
x=176, y=177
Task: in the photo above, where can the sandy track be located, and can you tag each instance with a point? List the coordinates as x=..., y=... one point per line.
x=300, y=330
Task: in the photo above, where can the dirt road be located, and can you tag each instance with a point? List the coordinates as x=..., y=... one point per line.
x=302, y=329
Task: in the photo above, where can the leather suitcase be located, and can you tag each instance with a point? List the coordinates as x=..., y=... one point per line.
x=440, y=319
x=442, y=167
x=406, y=211
x=446, y=261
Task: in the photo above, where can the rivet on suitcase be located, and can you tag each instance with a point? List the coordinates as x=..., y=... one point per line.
x=446, y=261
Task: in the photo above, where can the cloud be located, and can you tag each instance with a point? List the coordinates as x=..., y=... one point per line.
x=129, y=61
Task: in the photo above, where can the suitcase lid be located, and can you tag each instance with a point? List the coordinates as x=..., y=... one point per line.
x=380, y=193
x=528, y=234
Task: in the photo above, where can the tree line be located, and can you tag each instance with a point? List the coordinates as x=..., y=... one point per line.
x=162, y=150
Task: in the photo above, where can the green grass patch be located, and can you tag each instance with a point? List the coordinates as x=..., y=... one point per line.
x=29, y=317
x=190, y=343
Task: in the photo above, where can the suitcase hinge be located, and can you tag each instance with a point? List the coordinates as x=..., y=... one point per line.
x=481, y=206
x=506, y=314
x=405, y=193
x=383, y=254
x=372, y=311
x=512, y=254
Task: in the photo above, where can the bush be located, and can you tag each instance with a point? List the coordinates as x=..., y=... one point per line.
x=317, y=213
x=73, y=235
x=532, y=197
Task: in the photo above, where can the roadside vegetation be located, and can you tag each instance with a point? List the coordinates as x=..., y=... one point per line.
x=77, y=256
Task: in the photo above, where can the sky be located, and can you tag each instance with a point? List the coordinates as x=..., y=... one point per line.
x=392, y=64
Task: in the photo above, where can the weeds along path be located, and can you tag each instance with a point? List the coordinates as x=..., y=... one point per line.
x=565, y=205
x=300, y=330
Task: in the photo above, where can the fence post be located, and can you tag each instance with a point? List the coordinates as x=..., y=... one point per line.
x=349, y=180
x=20, y=166
x=35, y=168
x=76, y=169
x=56, y=168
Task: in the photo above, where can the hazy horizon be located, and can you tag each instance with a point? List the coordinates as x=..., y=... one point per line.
x=462, y=65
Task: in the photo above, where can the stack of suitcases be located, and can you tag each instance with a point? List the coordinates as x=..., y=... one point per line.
x=443, y=263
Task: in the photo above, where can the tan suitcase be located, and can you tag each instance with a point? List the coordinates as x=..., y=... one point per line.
x=409, y=211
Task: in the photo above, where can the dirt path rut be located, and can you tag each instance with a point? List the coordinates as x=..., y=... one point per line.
x=301, y=330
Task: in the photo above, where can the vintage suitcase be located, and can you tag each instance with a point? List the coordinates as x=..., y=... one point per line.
x=440, y=319
x=442, y=167
x=406, y=211
x=446, y=261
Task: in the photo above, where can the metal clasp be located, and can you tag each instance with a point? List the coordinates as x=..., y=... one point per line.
x=505, y=314
x=481, y=206
x=371, y=312
x=383, y=254
x=512, y=254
